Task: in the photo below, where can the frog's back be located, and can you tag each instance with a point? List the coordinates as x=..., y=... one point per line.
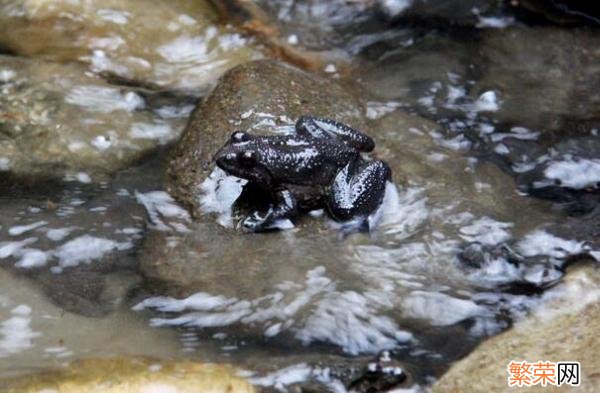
x=301, y=160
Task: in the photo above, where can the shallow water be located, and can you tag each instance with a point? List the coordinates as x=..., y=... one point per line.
x=117, y=267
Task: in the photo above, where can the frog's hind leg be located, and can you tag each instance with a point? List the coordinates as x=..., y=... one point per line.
x=358, y=189
x=285, y=207
x=318, y=127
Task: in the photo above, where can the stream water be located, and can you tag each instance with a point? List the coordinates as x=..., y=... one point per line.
x=97, y=264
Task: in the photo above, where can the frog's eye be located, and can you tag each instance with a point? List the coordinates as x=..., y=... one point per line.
x=240, y=136
x=249, y=158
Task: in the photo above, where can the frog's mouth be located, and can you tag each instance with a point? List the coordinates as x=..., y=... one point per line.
x=253, y=172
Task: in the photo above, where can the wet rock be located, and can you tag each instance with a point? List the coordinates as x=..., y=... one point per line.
x=132, y=374
x=564, y=328
x=568, y=13
x=261, y=96
x=174, y=44
x=546, y=79
x=522, y=275
x=567, y=172
x=58, y=121
x=584, y=228
x=454, y=12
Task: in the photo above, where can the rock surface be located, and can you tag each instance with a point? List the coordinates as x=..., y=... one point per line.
x=132, y=375
x=57, y=120
x=564, y=330
x=259, y=97
x=167, y=44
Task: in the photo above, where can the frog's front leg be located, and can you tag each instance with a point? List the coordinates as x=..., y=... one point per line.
x=285, y=206
x=358, y=189
x=318, y=127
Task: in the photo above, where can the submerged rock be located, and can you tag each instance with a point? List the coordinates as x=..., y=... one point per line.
x=77, y=241
x=546, y=78
x=57, y=120
x=562, y=12
x=567, y=172
x=455, y=12
x=174, y=44
x=36, y=334
x=564, y=328
x=128, y=375
x=262, y=96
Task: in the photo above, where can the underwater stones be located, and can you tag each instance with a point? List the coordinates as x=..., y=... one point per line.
x=262, y=96
x=454, y=12
x=58, y=121
x=126, y=375
x=166, y=44
x=547, y=78
x=566, y=172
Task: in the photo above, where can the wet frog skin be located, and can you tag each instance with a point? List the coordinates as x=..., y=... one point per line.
x=322, y=155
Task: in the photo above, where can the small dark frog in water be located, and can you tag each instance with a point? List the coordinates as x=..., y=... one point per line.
x=319, y=166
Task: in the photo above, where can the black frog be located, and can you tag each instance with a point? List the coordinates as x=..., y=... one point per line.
x=320, y=165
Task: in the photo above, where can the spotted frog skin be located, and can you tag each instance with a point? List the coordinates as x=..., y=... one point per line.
x=318, y=166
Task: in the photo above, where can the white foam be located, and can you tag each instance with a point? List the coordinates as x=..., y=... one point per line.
x=440, y=309
x=16, y=334
x=292, y=39
x=86, y=249
x=486, y=231
x=487, y=102
x=4, y=164
x=7, y=75
x=218, y=192
x=164, y=213
x=286, y=376
x=103, y=99
x=394, y=8
x=376, y=110
x=402, y=213
x=157, y=131
x=58, y=234
x=8, y=249
x=32, y=258
x=199, y=49
x=21, y=229
x=575, y=173
x=114, y=16
x=102, y=142
x=494, y=22
x=346, y=319
x=540, y=242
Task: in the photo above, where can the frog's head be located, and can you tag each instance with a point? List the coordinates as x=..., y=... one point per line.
x=241, y=157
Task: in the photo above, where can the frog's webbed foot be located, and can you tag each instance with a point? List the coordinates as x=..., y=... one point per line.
x=318, y=127
x=358, y=189
x=285, y=207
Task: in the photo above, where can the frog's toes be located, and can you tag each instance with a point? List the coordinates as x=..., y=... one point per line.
x=254, y=223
